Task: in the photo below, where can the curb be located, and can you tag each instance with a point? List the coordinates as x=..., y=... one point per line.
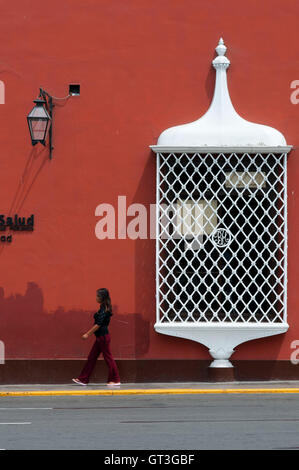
x=173, y=391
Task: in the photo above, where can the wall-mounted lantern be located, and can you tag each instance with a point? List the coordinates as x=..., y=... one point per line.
x=40, y=118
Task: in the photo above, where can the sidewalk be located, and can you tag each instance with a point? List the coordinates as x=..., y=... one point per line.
x=176, y=388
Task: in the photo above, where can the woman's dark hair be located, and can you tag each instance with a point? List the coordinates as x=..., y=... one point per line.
x=105, y=299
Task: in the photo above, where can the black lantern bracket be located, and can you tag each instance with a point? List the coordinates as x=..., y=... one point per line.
x=49, y=106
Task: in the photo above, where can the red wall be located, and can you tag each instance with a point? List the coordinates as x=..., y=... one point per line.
x=143, y=67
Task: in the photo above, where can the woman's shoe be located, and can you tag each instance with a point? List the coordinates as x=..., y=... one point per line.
x=113, y=384
x=78, y=382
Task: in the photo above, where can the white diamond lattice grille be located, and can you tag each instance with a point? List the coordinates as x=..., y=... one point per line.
x=221, y=247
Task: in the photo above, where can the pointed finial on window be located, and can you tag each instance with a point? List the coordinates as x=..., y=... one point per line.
x=221, y=125
x=221, y=61
x=221, y=48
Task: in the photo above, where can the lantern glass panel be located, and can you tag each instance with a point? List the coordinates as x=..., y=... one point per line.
x=39, y=123
x=39, y=129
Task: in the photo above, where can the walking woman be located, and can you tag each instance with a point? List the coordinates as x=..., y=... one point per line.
x=102, y=342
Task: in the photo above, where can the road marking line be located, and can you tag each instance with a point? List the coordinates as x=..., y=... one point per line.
x=15, y=423
x=6, y=409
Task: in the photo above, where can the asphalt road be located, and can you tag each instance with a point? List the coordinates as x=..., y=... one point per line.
x=168, y=422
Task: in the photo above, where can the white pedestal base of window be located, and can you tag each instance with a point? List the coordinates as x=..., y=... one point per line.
x=221, y=338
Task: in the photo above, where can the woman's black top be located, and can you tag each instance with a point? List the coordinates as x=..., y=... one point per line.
x=102, y=318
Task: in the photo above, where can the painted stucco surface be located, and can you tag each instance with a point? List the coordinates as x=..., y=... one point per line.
x=143, y=67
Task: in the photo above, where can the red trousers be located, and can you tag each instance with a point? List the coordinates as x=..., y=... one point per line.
x=101, y=345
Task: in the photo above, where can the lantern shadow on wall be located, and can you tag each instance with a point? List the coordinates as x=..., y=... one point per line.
x=40, y=122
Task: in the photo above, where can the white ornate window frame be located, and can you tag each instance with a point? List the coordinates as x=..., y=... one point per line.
x=220, y=337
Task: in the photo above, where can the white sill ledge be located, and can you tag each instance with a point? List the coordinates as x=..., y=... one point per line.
x=222, y=337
